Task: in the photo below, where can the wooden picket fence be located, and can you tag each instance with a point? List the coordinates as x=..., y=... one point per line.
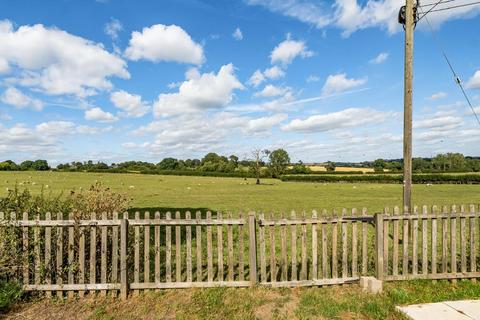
x=109, y=253
x=333, y=248
x=431, y=244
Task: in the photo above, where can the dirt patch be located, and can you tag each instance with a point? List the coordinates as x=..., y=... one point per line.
x=151, y=305
x=277, y=304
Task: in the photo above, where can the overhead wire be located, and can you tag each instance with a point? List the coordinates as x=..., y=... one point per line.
x=457, y=6
x=455, y=75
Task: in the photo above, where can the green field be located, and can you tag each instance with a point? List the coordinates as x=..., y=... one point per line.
x=154, y=192
x=181, y=192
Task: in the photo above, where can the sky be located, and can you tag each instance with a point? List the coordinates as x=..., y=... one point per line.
x=118, y=80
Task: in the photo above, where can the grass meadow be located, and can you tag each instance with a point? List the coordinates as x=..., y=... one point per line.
x=155, y=192
x=234, y=194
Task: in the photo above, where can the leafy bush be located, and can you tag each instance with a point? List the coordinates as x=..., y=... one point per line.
x=81, y=204
x=419, y=179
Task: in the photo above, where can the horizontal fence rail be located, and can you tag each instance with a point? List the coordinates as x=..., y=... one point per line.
x=115, y=254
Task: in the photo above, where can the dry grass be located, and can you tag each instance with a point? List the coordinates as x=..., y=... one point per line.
x=341, y=169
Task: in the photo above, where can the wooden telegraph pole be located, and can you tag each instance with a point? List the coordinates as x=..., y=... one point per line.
x=407, y=100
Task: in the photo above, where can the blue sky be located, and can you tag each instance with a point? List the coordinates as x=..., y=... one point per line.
x=117, y=80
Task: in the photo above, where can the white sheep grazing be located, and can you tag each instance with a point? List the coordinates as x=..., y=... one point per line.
x=131, y=187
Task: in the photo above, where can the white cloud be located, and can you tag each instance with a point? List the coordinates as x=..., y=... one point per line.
x=99, y=115
x=4, y=67
x=437, y=95
x=474, y=81
x=16, y=98
x=350, y=15
x=256, y=79
x=93, y=130
x=306, y=11
x=131, y=104
x=382, y=57
x=112, y=28
x=192, y=73
x=263, y=124
x=271, y=91
x=274, y=73
x=237, y=34
x=339, y=83
x=439, y=122
x=313, y=78
x=57, y=62
x=209, y=91
x=55, y=128
x=164, y=43
x=43, y=140
x=352, y=117
x=288, y=50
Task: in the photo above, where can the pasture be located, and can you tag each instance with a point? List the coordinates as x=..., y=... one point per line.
x=234, y=194
x=155, y=192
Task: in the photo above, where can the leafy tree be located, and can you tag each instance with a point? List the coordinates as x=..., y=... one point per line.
x=379, y=165
x=300, y=168
x=330, y=166
x=279, y=161
x=168, y=164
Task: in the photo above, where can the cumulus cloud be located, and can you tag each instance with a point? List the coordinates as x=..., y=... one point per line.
x=340, y=83
x=258, y=77
x=288, y=50
x=274, y=73
x=263, y=124
x=131, y=104
x=16, y=98
x=57, y=62
x=351, y=117
x=42, y=140
x=164, y=43
x=237, y=34
x=271, y=91
x=97, y=114
x=474, y=81
x=439, y=121
x=382, y=57
x=112, y=28
x=209, y=91
x=437, y=95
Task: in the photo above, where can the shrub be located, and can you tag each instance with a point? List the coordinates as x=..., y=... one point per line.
x=382, y=178
x=96, y=199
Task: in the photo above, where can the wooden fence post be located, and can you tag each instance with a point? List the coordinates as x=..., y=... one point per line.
x=379, y=245
x=252, y=237
x=123, y=259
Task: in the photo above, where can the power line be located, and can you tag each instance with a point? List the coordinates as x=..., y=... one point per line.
x=456, y=77
x=435, y=3
x=457, y=6
x=429, y=10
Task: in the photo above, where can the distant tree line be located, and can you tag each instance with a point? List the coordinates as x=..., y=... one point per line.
x=36, y=165
x=261, y=163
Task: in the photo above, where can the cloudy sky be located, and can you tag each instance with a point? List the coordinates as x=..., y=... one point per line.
x=116, y=80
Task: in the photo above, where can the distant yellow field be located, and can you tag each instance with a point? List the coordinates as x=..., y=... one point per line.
x=322, y=168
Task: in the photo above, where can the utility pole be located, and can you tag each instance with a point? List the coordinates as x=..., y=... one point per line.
x=410, y=18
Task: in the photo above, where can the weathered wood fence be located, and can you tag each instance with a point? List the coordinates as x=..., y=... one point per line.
x=144, y=251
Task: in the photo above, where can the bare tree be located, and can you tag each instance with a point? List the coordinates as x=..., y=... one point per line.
x=258, y=155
